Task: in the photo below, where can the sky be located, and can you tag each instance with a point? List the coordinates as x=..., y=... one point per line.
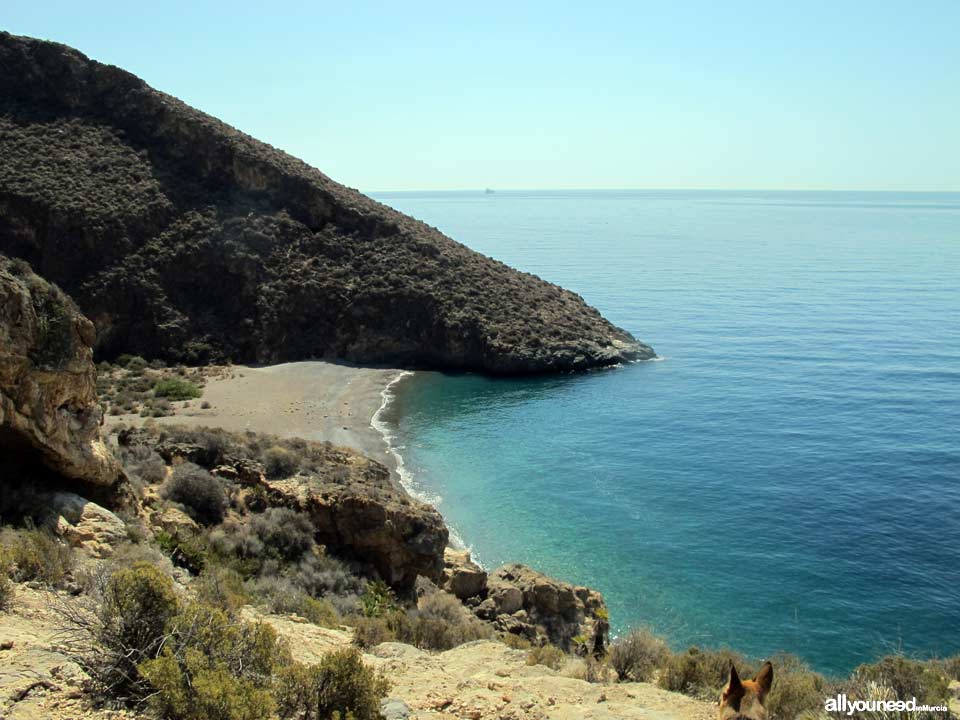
x=847, y=95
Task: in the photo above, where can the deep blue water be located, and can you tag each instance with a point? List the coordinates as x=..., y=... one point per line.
x=786, y=478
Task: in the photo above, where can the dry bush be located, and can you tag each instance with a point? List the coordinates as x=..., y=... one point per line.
x=280, y=462
x=638, y=656
x=585, y=668
x=284, y=533
x=280, y=595
x=548, y=655
x=36, y=554
x=441, y=623
x=118, y=625
x=701, y=673
x=200, y=493
x=797, y=690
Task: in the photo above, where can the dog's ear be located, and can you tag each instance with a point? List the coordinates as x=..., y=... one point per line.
x=764, y=678
x=734, y=686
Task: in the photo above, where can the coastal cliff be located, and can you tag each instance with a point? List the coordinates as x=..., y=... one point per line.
x=184, y=239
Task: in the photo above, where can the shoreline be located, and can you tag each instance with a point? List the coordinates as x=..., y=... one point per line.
x=315, y=400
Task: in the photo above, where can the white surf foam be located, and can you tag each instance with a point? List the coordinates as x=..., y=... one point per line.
x=407, y=479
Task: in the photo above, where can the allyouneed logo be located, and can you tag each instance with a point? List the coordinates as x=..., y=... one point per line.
x=842, y=704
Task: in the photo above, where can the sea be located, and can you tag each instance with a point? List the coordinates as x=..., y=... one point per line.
x=784, y=477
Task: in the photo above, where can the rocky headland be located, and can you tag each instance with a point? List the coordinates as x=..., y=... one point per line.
x=182, y=238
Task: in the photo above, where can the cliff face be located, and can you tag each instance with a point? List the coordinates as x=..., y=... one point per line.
x=49, y=413
x=182, y=238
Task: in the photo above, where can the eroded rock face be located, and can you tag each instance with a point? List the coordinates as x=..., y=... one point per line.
x=372, y=522
x=48, y=401
x=520, y=600
x=191, y=241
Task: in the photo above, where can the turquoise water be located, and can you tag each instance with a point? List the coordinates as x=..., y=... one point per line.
x=787, y=477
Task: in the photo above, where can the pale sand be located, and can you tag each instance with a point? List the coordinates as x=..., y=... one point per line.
x=314, y=400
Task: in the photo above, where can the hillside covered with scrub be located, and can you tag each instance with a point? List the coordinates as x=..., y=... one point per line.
x=184, y=239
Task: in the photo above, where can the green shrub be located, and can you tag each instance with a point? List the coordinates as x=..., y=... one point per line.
x=186, y=552
x=36, y=554
x=339, y=686
x=637, y=656
x=378, y=599
x=548, y=655
x=176, y=389
x=701, y=673
x=199, y=492
x=279, y=462
x=797, y=690
x=134, y=363
x=214, y=668
x=222, y=588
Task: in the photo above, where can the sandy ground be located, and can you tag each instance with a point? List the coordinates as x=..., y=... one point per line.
x=313, y=400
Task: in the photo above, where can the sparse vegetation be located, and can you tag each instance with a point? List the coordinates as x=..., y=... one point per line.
x=36, y=554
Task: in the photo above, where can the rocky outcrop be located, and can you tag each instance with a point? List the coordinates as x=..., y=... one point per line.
x=183, y=238
x=371, y=522
x=522, y=601
x=49, y=414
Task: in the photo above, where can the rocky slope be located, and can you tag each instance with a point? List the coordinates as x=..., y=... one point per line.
x=183, y=238
x=49, y=413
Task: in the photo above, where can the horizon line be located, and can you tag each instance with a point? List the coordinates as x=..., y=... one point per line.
x=661, y=189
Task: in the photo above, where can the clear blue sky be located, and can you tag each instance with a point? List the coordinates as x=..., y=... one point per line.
x=414, y=95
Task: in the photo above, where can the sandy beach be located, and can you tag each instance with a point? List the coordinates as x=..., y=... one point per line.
x=315, y=400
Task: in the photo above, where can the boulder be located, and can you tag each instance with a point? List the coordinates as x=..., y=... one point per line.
x=85, y=525
x=461, y=576
x=49, y=413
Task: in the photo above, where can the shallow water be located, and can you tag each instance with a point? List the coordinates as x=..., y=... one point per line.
x=786, y=478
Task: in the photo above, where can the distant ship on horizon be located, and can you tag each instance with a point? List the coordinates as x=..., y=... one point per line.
x=488, y=191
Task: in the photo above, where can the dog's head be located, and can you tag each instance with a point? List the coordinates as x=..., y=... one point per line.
x=745, y=698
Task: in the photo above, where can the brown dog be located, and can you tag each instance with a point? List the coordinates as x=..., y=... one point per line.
x=745, y=698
